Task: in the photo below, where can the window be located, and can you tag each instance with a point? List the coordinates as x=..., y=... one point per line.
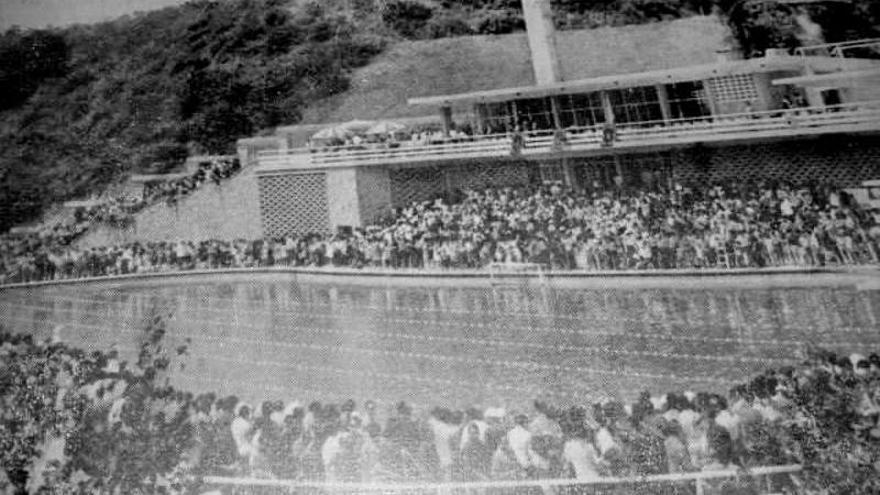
x=633, y=105
x=687, y=100
x=496, y=117
x=581, y=110
x=534, y=113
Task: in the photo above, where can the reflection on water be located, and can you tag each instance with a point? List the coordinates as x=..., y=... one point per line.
x=277, y=338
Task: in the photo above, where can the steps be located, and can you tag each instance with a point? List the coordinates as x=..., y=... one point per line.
x=228, y=211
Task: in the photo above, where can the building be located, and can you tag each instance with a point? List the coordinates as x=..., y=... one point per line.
x=599, y=108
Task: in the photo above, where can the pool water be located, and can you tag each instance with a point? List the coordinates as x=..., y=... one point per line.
x=277, y=336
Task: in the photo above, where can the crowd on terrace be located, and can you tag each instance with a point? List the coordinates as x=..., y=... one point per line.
x=215, y=170
x=121, y=427
x=117, y=210
x=735, y=225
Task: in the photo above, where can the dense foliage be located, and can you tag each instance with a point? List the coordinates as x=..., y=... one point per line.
x=88, y=102
x=81, y=105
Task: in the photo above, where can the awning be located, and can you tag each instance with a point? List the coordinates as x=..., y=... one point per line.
x=843, y=79
x=666, y=76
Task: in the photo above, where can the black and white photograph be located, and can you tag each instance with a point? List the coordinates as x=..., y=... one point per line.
x=440, y=247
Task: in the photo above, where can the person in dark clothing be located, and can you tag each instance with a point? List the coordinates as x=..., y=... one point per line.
x=475, y=457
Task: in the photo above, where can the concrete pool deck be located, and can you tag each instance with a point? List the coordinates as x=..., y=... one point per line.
x=864, y=277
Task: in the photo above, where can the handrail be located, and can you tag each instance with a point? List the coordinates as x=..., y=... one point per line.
x=836, y=49
x=433, y=273
x=584, y=137
x=699, y=476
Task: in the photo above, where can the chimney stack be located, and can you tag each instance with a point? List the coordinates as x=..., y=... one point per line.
x=542, y=40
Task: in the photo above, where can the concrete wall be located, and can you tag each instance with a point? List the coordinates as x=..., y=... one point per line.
x=342, y=195
x=228, y=211
x=542, y=41
x=374, y=193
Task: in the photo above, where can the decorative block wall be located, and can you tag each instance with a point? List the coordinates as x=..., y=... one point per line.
x=416, y=184
x=739, y=87
x=294, y=204
x=422, y=184
x=844, y=161
x=492, y=174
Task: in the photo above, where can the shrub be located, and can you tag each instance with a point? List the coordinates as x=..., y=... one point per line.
x=406, y=17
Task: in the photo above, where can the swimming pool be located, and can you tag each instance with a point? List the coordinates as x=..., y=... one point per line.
x=459, y=342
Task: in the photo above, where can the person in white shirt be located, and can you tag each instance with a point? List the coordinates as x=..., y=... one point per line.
x=332, y=454
x=242, y=432
x=542, y=425
x=580, y=454
x=520, y=440
x=446, y=428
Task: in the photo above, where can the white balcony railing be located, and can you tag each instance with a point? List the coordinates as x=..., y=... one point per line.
x=854, y=117
x=843, y=49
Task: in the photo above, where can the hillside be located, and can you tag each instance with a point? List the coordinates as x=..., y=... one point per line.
x=473, y=63
x=81, y=107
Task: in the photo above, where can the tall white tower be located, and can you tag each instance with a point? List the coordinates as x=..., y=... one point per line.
x=542, y=40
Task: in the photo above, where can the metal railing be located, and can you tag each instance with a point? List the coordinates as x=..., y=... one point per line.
x=766, y=478
x=850, y=117
x=844, y=49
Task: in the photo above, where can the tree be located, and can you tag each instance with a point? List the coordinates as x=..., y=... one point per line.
x=406, y=17
x=26, y=60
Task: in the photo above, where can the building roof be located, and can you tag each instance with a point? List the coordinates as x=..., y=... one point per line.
x=481, y=63
x=851, y=79
x=776, y=63
x=677, y=74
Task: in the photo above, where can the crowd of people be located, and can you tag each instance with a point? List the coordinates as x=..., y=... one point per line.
x=117, y=210
x=215, y=170
x=121, y=426
x=737, y=226
x=54, y=240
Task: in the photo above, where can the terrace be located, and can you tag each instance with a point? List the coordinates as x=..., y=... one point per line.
x=860, y=117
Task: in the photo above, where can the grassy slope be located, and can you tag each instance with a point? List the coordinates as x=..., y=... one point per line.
x=472, y=63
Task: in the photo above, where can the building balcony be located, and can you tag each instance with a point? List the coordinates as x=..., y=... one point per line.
x=851, y=118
